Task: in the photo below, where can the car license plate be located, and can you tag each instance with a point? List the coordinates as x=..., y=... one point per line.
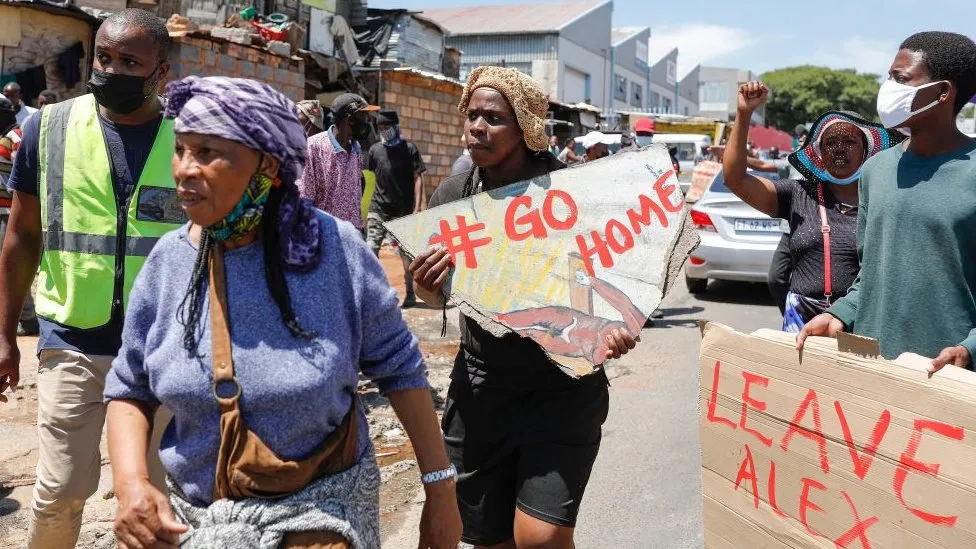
x=757, y=225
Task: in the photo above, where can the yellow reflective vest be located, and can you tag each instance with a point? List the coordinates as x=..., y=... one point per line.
x=94, y=242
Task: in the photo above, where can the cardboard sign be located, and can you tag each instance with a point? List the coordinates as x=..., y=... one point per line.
x=565, y=258
x=703, y=174
x=836, y=450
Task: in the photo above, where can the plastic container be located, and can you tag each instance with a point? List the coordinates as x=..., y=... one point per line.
x=278, y=18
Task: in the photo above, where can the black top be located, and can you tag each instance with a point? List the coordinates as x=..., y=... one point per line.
x=395, y=167
x=798, y=204
x=128, y=149
x=510, y=359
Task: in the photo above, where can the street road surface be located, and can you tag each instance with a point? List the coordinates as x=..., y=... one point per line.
x=645, y=490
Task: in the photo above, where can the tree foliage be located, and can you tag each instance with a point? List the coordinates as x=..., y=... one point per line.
x=801, y=94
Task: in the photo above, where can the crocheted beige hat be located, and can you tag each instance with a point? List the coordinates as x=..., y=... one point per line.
x=524, y=94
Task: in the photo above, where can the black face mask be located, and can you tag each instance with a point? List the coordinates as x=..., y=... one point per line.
x=119, y=93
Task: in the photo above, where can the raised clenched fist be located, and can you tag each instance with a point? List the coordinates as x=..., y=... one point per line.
x=752, y=95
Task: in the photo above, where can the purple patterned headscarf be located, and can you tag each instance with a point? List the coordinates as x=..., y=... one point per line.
x=258, y=116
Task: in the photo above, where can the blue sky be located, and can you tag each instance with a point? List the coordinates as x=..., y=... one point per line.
x=760, y=34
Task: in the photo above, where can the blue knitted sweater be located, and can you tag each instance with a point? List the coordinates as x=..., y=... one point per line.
x=295, y=392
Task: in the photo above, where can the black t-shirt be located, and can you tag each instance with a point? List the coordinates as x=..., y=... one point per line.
x=510, y=360
x=396, y=168
x=128, y=149
x=799, y=205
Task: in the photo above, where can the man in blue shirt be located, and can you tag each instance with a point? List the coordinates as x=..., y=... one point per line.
x=130, y=63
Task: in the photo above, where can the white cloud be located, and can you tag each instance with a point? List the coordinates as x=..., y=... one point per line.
x=857, y=52
x=697, y=43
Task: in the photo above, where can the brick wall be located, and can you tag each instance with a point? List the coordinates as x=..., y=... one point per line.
x=43, y=36
x=427, y=107
x=202, y=57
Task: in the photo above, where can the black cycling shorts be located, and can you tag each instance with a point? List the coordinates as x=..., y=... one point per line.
x=530, y=448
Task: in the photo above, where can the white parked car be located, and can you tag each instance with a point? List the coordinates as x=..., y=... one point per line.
x=737, y=241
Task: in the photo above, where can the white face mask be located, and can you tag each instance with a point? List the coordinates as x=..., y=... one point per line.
x=644, y=140
x=895, y=103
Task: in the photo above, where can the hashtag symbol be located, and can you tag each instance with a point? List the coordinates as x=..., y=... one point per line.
x=459, y=241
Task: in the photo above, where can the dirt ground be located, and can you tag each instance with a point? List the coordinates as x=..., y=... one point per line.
x=400, y=494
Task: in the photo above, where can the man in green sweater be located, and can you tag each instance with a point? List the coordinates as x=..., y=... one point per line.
x=916, y=229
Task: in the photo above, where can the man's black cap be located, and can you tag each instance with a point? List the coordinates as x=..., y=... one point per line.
x=6, y=105
x=388, y=117
x=348, y=104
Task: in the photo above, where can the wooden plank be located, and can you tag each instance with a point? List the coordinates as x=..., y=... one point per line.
x=837, y=450
x=10, y=26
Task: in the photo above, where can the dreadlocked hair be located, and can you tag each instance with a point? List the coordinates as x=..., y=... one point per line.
x=274, y=271
x=191, y=308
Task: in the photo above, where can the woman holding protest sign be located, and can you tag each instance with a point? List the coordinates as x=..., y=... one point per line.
x=522, y=434
x=821, y=209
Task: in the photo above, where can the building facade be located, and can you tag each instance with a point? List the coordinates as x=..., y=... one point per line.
x=631, y=74
x=664, y=84
x=688, y=93
x=565, y=46
x=717, y=92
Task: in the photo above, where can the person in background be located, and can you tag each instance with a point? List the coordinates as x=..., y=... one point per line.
x=595, y=147
x=554, y=145
x=399, y=188
x=628, y=143
x=47, y=97
x=13, y=92
x=673, y=153
x=568, y=155
x=751, y=150
x=311, y=116
x=463, y=164
x=10, y=136
x=799, y=136
x=822, y=208
x=780, y=272
x=116, y=149
x=644, y=132
x=333, y=179
x=522, y=434
x=10, y=139
x=262, y=294
x=916, y=232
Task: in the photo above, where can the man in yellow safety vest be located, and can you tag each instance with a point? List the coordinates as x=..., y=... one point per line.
x=93, y=192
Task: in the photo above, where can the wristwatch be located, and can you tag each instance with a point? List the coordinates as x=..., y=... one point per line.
x=439, y=476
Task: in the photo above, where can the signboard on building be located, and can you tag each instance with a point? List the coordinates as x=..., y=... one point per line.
x=672, y=72
x=833, y=449
x=561, y=260
x=641, y=54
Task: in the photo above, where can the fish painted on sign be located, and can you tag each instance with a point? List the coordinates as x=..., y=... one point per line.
x=569, y=332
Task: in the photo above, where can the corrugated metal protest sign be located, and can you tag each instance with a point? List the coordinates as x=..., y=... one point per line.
x=833, y=449
x=564, y=258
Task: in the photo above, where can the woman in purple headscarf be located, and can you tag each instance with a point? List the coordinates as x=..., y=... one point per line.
x=252, y=324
